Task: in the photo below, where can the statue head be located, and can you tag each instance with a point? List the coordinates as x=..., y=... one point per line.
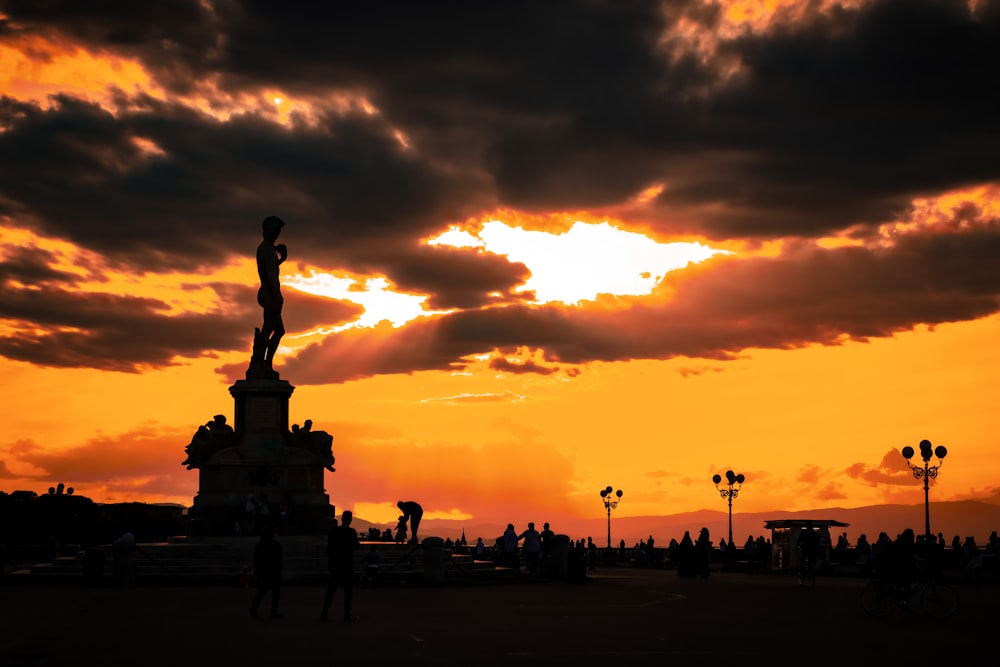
x=272, y=226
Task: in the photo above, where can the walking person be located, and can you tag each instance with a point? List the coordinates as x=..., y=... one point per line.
x=267, y=567
x=340, y=546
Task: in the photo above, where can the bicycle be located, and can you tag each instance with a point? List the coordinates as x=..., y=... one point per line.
x=807, y=571
x=880, y=597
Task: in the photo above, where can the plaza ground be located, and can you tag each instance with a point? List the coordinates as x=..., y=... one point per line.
x=620, y=616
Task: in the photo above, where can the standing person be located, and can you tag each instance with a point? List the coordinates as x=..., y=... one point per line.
x=808, y=545
x=685, y=556
x=703, y=549
x=546, y=536
x=401, y=530
x=414, y=512
x=510, y=547
x=267, y=567
x=340, y=546
x=532, y=547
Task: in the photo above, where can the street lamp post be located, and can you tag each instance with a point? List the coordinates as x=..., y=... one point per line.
x=732, y=479
x=611, y=499
x=927, y=472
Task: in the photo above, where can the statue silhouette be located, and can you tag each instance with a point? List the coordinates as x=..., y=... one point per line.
x=266, y=339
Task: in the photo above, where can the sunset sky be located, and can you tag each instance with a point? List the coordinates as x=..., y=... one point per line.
x=535, y=248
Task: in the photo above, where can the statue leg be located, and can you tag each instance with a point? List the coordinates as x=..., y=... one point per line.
x=276, y=329
x=259, y=345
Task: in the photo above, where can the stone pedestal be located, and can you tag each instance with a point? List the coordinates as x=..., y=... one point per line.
x=433, y=560
x=560, y=555
x=263, y=459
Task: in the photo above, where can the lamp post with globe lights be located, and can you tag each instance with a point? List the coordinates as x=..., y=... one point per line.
x=927, y=472
x=611, y=499
x=732, y=480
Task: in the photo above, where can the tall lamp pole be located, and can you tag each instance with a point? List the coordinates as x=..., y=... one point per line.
x=732, y=480
x=927, y=472
x=611, y=499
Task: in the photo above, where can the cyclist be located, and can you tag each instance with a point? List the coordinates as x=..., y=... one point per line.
x=898, y=567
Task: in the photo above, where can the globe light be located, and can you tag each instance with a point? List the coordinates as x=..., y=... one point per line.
x=732, y=480
x=609, y=496
x=927, y=472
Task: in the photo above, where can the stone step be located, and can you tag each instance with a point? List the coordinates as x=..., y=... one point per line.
x=228, y=560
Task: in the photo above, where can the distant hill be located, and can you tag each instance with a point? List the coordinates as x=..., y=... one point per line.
x=962, y=518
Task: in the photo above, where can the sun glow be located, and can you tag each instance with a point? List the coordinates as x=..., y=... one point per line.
x=374, y=294
x=585, y=261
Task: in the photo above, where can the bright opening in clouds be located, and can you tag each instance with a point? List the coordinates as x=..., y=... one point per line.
x=381, y=304
x=584, y=262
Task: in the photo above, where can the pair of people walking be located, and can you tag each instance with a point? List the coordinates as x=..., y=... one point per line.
x=340, y=546
x=269, y=561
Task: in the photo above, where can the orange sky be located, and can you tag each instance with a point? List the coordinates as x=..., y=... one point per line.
x=501, y=327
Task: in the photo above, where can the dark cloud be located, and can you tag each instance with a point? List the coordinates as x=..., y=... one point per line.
x=848, y=115
x=33, y=267
x=892, y=470
x=808, y=295
x=527, y=366
x=63, y=328
x=80, y=174
x=174, y=38
x=839, y=117
x=811, y=126
x=452, y=277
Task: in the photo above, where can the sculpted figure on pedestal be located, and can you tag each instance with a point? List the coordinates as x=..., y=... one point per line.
x=210, y=438
x=266, y=339
x=318, y=442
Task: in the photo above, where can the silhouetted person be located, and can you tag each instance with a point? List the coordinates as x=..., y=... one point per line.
x=685, y=556
x=899, y=565
x=401, y=530
x=269, y=257
x=267, y=566
x=808, y=543
x=340, y=546
x=123, y=552
x=762, y=553
x=414, y=512
x=546, y=536
x=510, y=541
x=372, y=560
x=532, y=547
x=703, y=553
